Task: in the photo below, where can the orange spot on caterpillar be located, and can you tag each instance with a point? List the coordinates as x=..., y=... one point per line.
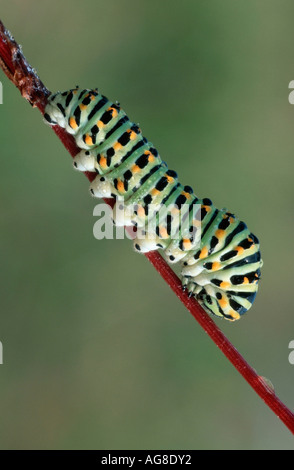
x=114, y=112
x=223, y=302
x=215, y=266
x=175, y=210
x=239, y=249
x=224, y=285
x=73, y=123
x=141, y=211
x=234, y=315
x=155, y=192
x=196, y=223
x=133, y=135
x=117, y=146
x=163, y=232
x=103, y=162
x=88, y=139
x=203, y=253
x=135, y=169
x=170, y=179
x=187, y=195
x=220, y=233
x=186, y=243
x=120, y=186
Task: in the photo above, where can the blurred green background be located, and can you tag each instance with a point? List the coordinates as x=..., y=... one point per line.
x=98, y=352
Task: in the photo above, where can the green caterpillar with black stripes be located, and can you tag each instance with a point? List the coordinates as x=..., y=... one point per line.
x=220, y=258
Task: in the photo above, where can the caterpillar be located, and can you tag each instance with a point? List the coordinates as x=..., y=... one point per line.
x=219, y=257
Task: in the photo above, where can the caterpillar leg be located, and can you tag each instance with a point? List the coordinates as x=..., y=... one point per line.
x=123, y=215
x=101, y=187
x=145, y=241
x=143, y=245
x=84, y=161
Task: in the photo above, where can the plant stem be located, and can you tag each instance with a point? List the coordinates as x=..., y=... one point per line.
x=24, y=77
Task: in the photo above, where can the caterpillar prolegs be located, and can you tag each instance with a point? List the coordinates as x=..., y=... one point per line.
x=219, y=257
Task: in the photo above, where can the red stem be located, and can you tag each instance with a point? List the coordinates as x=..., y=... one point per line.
x=25, y=79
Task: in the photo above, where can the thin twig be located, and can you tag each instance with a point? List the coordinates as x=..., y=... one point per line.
x=27, y=81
